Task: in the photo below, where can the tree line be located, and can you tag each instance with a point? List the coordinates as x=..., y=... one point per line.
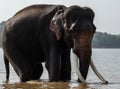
x=100, y=39
x=1, y=29
x=105, y=40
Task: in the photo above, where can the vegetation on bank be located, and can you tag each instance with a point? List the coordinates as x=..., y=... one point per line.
x=1, y=29
x=105, y=40
x=100, y=39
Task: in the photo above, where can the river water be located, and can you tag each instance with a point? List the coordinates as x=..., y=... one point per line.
x=107, y=62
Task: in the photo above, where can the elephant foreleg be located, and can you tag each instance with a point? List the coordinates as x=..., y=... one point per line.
x=53, y=65
x=37, y=71
x=65, y=74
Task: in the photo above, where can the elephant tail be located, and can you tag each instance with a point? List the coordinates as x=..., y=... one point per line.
x=7, y=68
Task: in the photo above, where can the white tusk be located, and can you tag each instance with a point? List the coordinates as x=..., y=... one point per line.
x=72, y=26
x=74, y=63
x=97, y=73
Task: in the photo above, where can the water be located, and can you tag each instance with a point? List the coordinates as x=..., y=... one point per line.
x=107, y=62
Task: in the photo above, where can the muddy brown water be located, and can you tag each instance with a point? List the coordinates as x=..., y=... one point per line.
x=45, y=85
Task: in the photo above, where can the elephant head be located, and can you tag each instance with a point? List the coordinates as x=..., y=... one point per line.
x=75, y=26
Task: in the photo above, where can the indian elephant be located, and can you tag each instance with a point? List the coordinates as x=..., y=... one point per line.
x=46, y=33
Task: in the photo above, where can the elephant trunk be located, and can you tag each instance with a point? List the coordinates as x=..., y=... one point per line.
x=82, y=44
x=84, y=55
x=75, y=69
x=84, y=61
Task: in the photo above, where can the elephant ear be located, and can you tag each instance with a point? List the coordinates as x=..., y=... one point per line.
x=89, y=12
x=56, y=24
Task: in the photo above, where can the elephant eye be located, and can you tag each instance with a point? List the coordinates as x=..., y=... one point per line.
x=72, y=33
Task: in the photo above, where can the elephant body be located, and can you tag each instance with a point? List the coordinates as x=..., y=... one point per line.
x=27, y=41
x=30, y=38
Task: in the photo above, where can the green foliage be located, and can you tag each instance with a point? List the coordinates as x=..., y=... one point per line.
x=105, y=40
x=1, y=29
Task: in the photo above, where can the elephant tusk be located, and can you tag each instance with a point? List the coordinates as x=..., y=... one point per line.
x=75, y=66
x=97, y=73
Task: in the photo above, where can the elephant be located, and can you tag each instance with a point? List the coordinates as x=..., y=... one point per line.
x=47, y=33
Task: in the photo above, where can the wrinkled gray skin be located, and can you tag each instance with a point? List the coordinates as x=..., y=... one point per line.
x=78, y=27
x=46, y=33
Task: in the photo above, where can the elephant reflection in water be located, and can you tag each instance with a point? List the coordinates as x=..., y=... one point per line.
x=46, y=33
